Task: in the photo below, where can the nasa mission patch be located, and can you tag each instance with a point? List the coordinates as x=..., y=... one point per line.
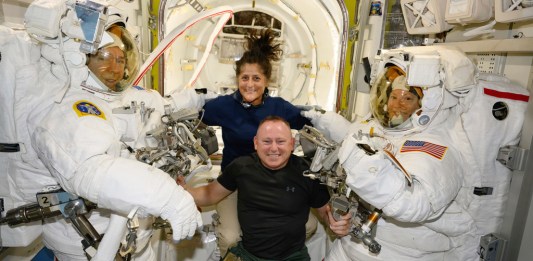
x=85, y=108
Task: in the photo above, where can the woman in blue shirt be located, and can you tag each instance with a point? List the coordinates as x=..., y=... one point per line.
x=239, y=114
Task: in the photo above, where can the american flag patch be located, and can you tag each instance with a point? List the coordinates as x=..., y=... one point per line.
x=434, y=150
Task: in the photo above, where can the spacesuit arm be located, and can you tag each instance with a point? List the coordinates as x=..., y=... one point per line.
x=379, y=182
x=372, y=177
x=436, y=183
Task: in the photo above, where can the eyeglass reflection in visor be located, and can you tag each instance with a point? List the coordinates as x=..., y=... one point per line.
x=109, y=66
x=110, y=55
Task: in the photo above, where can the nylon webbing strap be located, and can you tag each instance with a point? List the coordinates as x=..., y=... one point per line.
x=9, y=147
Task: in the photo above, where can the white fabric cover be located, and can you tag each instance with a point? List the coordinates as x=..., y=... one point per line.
x=486, y=135
x=468, y=11
x=22, y=173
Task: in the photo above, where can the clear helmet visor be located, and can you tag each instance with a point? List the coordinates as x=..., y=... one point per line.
x=116, y=63
x=393, y=101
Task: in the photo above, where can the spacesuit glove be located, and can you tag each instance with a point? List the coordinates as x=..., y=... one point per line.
x=310, y=107
x=331, y=124
x=206, y=94
x=209, y=95
x=373, y=177
x=189, y=98
x=182, y=214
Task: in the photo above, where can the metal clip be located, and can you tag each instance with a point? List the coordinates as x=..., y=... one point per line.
x=131, y=238
x=512, y=157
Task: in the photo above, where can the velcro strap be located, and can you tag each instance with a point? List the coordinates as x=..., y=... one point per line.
x=9, y=147
x=483, y=191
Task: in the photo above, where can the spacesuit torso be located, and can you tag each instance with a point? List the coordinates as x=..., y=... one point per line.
x=84, y=126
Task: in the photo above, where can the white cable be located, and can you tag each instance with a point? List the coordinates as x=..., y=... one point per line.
x=175, y=33
x=108, y=247
x=314, y=63
x=221, y=22
x=66, y=87
x=187, y=131
x=202, y=168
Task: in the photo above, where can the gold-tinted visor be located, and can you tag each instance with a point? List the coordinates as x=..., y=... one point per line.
x=393, y=101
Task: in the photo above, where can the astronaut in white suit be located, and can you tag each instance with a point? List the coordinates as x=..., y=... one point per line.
x=413, y=113
x=70, y=120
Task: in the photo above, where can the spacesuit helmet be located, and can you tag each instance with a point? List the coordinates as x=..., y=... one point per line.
x=393, y=101
x=414, y=87
x=113, y=67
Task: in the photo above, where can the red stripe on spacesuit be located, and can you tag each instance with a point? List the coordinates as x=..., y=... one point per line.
x=506, y=95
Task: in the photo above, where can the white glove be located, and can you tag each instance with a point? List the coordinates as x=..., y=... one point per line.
x=309, y=107
x=331, y=124
x=189, y=98
x=210, y=95
x=182, y=214
x=373, y=177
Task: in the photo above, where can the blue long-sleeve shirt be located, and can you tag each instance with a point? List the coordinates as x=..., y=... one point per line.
x=239, y=124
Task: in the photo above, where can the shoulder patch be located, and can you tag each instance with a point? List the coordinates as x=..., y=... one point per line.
x=137, y=87
x=433, y=150
x=85, y=108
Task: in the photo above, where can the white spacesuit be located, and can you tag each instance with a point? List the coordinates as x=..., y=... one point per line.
x=418, y=105
x=79, y=127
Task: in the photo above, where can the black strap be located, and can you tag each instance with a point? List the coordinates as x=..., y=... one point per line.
x=9, y=147
x=201, y=90
x=483, y=191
